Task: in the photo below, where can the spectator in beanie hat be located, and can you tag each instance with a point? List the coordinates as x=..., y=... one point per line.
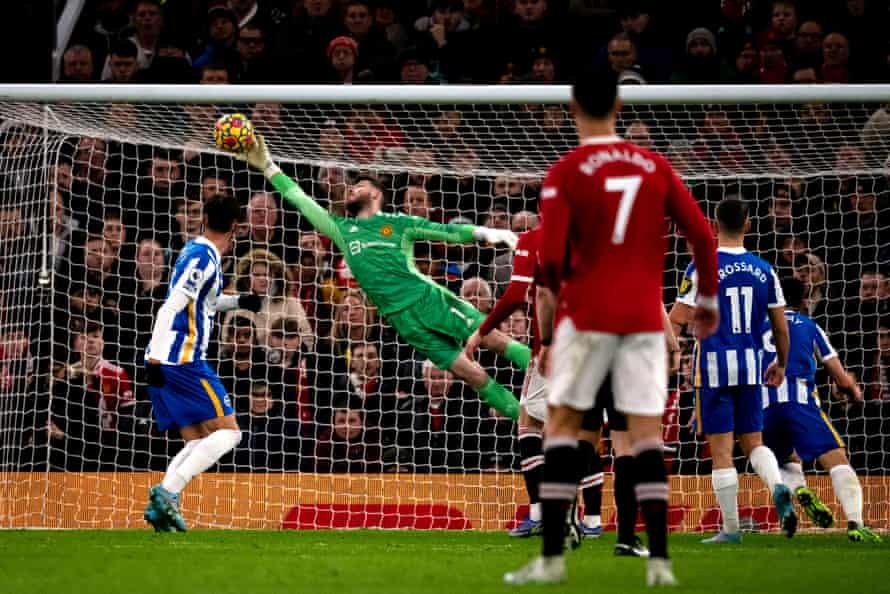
x=342, y=56
x=702, y=64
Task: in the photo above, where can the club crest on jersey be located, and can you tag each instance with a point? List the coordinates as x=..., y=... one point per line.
x=386, y=230
x=685, y=285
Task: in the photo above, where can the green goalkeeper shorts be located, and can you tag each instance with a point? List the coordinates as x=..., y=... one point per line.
x=438, y=325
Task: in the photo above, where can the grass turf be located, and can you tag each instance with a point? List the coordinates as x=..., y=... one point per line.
x=236, y=562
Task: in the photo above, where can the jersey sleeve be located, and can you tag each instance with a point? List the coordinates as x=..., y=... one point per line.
x=774, y=290
x=192, y=270
x=417, y=228
x=821, y=345
x=692, y=222
x=516, y=294
x=556, y=214
x=688, y=289
x=318, y=217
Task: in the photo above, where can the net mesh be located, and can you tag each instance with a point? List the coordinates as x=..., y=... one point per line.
x=99, y=198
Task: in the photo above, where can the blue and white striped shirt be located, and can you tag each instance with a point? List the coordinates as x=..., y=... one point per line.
x=748, y=289
x=197, y=275
x=808, y=346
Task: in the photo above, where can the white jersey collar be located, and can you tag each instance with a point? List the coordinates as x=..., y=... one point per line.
x=608, y=139
x=203, y=240
x=732, y=250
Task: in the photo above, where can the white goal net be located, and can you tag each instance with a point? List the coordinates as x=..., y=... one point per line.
x=344, y=424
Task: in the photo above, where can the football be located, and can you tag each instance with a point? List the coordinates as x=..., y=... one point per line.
x=233, y=132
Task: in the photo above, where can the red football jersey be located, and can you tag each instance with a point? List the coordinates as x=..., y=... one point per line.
x=520, y=291
x=604, y=208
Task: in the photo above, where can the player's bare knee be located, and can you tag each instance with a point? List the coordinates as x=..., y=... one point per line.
x=591, y=437
x=643, y=428
x=563, y=422
x=836, y=457
x=721, y=449
x=749, y=442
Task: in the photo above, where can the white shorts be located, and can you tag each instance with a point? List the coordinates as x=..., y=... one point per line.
x=580, y=362
x=534, y=393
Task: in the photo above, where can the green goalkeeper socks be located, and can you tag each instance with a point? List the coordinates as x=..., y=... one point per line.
x=500, y=398
x=518, y=353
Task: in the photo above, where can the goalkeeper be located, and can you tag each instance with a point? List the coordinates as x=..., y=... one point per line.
x=378, y=248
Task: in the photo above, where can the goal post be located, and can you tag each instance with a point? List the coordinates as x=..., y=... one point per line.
x=345, y=425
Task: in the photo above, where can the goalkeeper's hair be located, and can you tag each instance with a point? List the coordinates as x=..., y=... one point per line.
x=371, y=179
x=595, y=90
x=222, y=212
x=794, y=291
x=732, y=214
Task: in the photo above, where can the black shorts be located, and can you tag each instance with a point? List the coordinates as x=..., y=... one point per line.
x=604, y=404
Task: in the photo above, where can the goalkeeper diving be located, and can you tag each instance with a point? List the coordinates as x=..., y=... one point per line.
x=378, y=248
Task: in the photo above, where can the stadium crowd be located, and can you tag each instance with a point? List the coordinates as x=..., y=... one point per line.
x=319, y=381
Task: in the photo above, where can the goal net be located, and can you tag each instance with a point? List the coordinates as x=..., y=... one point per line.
x=344, y=424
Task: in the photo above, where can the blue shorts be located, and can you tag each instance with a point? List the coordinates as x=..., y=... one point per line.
x=737, y=409
x=192, y=393
x=793, y=427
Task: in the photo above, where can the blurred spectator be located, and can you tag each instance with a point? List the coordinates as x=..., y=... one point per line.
x=77, y=64
x=343, y=54
x=521, y=222
x=875, y=135
x=262, y=273
x=835, y=58
x=64, y=227
x=543, y=70
x=367, y=132
x=808, y=46
x=811, y=272
x=702, y=62
x=254, y=64
x=386, y=17
x=99, y=28
x=239, y=353
x=782, y=27
x=189, y=222
x=444, y=35
x=267, y=432
x=638, y=133
x=215, y=73
x=876, y=379
x=365, y=386
x=805, y=76
x=530, y=26
x=439, y=428
x=414, y=67
x=106, y=386
x=221, y=39
x=315, y=287
x=416, y=202
x=147, y=19
x=307, y=34
x=655, y=59
x=264, y=229
x=477, y=292
x=122, y=62
x=347, y=446
x=516, y=326
x=621, y=53
x=747, y=63
x=773, y=65
x=375, y=52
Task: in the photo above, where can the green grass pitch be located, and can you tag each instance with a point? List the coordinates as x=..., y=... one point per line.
x=391, y=562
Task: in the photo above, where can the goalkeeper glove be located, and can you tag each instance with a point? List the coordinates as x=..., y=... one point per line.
x=496, y=236
x=250, y=302
x=259, y=158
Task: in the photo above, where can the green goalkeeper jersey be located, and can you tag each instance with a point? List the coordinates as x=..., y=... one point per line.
x=379, y=250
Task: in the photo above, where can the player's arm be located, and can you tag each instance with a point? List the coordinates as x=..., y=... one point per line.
x=844, y=381
x=689, y=218
x=514, y=297
x=775, y=373
x=683, y=308
x=545, y=309
x=260, y=159
x=428, y=230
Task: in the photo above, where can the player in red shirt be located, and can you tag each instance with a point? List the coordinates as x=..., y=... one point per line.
x=604, y=207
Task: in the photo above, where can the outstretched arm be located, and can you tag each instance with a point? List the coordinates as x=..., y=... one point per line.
x=259, y=158
x=424, y=229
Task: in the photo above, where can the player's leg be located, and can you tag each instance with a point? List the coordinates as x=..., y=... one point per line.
x=628, y=544
x=532, y=413
x=579, y=365
x=490, y=391
x=508, y=347
x=749, y=427
x=639, y=386
x=203, y=410
x=714, y=417
x=590, y=480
